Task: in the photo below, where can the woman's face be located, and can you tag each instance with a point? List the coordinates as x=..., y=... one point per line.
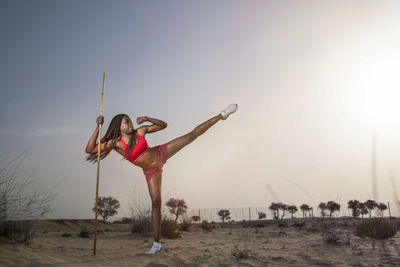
x=126, y=125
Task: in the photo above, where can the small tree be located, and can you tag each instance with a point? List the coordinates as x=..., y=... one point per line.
x=274, y=207
x=354, y=205
x=322, y=206
x=284, y=208
x=292, y=209
x=176, y=207
x=310, y=212
x=224, y=215
x=382, y=207
x=261, y=215
x=195, y=218
x=106, y=207
x=304, y=208
x=370, y=204
x=332, y=207
x=363, y=209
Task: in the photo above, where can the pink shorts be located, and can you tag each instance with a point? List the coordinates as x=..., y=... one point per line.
x=162, y=151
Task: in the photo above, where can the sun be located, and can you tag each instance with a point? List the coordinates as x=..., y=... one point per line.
x=374, y=92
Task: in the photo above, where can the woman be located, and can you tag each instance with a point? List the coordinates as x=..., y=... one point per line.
x=131, y=143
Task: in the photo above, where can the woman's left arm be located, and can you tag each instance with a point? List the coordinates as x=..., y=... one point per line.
x=157, y=124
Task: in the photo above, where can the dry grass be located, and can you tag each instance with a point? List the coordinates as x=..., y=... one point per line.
x=169, y=229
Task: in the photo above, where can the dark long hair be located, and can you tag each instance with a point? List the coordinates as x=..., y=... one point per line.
x=113, y=133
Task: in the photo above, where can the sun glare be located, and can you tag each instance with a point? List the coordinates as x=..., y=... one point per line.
x=374, y=93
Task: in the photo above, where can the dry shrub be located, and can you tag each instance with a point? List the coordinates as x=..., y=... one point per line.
x=299, y=224
x=378, y=228
x=334, y=236
x=282, y=223
x=141, y=216
x=21, y=201
x=66, y=235
x=124, y=220
x=18, y=231
x=84, y=233
x=141, y=224
x=186, y=223
x=239, y=253
x=206, y=226
x=169, y=229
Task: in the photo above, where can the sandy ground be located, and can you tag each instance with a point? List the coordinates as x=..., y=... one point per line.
x=271, y=245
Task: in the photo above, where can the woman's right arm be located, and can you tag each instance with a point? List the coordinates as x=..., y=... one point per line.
x=92, y=144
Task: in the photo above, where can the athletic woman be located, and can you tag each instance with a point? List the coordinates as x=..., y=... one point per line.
x=131, y=143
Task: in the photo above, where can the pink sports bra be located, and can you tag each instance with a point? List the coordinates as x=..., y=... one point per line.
x=138, y=150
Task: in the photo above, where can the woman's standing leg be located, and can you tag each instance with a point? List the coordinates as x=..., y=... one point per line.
x=154, y=185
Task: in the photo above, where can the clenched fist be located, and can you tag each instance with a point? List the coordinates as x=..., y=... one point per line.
x=140, y=120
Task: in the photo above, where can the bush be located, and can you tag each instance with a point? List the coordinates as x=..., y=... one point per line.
x=19, y=231
x=206, y=226
x=126, y=220
x=299, y=224
x=169, y=229
x=282, y=223
x=333, y=236
x=66, y=235
x=185, y=225
x=84, y=233
x=141, y=224
x=377, y=228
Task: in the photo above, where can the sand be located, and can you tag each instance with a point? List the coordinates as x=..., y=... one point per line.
x=270, y=245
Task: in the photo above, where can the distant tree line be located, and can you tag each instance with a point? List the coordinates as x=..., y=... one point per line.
x=278, y=209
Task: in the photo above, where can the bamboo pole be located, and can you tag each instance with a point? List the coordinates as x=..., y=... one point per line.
x=98, y=166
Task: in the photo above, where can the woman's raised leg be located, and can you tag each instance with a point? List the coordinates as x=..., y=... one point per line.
x=177, y=144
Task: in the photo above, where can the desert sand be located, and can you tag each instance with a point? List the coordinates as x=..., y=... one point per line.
x=265, y=243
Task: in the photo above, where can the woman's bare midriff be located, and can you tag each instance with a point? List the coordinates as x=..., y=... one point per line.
x=147, y=161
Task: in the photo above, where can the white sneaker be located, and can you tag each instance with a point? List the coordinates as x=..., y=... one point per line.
x=228, y=111
x=155, y=248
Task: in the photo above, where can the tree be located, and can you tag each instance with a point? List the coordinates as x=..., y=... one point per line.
x=363, y=209
x=176, y=207
x=106, y=207
x=195, y=218
x=292, y=209
x=224, y=215
x=332, y=207
x=284, y=208
x=370, y=204
x=304, y=208
x=382, y=207
x=354, y=205
x=310, y=212
x=322, y=206
x=261, y=215
x=274, y=207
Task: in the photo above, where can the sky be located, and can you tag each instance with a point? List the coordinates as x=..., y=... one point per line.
x=314, y=81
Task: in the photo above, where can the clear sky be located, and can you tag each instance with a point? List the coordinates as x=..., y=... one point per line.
x=314, y=80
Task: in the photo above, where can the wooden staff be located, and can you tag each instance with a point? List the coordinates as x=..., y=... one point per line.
x=98, y=166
